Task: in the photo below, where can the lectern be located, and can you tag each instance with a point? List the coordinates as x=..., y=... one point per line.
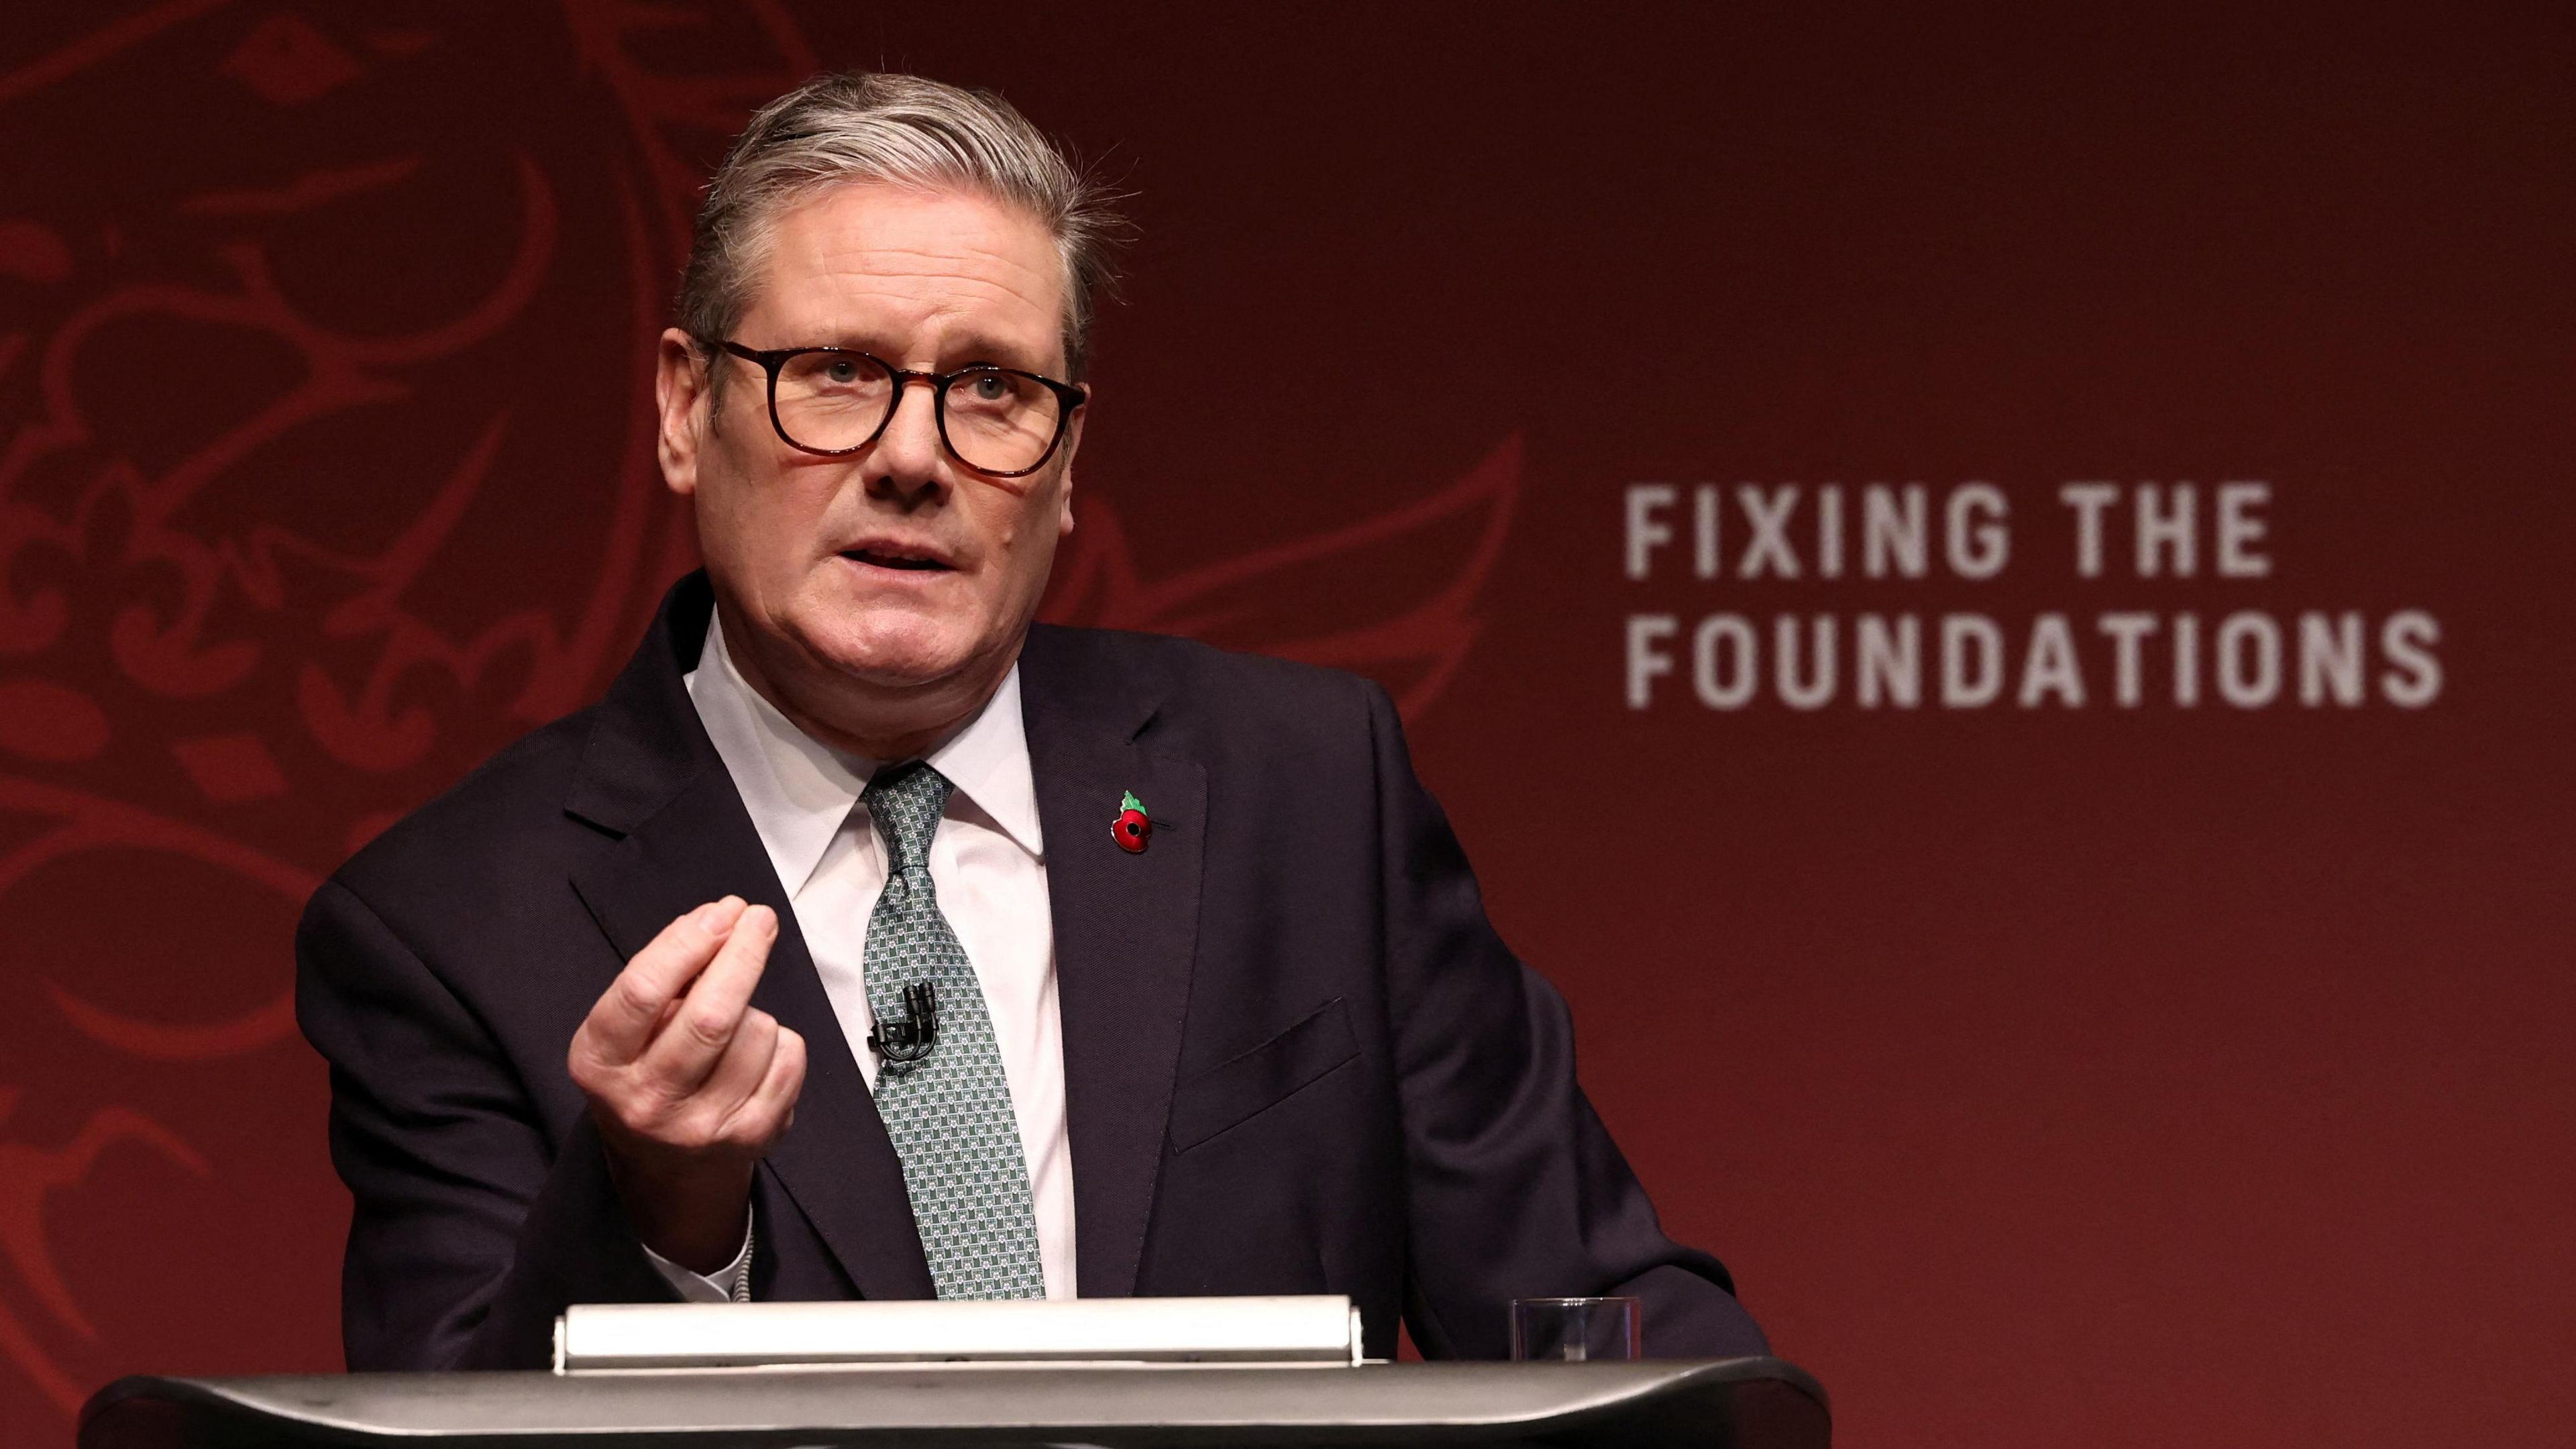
x=1746, y=1403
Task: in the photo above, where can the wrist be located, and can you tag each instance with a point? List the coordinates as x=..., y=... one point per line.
x=692, y=1214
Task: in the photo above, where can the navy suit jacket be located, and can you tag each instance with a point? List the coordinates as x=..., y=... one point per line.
x=1297, y=1058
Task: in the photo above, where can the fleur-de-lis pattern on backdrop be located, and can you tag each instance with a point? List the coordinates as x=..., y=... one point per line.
x=312, y=495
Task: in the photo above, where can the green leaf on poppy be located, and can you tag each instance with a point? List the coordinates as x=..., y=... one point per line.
x=1127, y=801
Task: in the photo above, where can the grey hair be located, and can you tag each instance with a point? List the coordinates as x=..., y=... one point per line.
x=906, y=131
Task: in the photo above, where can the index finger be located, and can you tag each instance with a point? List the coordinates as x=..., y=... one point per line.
x=702, y=1029
x=623, y=1020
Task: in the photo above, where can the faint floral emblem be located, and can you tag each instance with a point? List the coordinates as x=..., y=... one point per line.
x=1415, y=572
x=323, y=473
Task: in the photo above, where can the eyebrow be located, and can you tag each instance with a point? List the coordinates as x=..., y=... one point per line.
x=966, y=350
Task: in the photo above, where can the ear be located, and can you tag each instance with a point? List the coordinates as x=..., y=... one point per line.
x=680, y=394
x=1072, y=445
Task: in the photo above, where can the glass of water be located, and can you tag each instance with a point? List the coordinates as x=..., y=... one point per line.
x=1576, y=1330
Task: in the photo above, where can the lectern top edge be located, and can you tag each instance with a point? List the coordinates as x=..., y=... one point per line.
x=1753, y=1403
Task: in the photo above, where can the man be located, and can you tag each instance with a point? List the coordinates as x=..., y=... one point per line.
x=869, y=941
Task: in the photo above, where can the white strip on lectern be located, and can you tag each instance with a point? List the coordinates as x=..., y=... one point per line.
x=610, y=1337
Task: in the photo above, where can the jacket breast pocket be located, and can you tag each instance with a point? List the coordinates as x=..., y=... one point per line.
x=1237, y=1090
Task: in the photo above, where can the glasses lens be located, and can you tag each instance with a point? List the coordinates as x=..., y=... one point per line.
x=831, y=401
x=1001, y=422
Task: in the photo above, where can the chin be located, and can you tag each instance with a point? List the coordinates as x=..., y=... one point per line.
x=894, y=649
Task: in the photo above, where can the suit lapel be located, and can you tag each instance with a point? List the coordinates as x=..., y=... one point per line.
x=1126, y=931
x=651, y=776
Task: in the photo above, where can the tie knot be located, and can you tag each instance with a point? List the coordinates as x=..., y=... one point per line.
x=906, y=801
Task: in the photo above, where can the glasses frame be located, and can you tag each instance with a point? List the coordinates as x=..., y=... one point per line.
x=1071, y=396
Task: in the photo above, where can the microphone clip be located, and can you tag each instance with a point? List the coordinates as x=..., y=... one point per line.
x=902, y=1043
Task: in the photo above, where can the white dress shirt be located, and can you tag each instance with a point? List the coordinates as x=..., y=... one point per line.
x=988, y=866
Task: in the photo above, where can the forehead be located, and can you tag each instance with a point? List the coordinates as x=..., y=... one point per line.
x=917, y=271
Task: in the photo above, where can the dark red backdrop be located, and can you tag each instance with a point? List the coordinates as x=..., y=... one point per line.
x=2104, y=1076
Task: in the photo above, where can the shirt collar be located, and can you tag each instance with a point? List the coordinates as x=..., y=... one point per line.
x=799, y=790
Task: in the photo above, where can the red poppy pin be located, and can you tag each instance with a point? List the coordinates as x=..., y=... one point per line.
x=1133, y=827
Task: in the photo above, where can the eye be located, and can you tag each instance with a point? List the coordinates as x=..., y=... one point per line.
x=841, y=372
x=990, y=387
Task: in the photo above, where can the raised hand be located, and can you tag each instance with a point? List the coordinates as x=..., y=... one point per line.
x=690, y=1084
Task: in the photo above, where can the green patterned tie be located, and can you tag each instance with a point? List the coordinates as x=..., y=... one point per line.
x=949, y=1113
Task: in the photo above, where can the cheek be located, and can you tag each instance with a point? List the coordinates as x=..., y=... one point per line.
x=1017, y=525
x=1035, y=522
x=756, y=521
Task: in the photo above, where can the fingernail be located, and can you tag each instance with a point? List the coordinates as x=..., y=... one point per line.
x=717, y=918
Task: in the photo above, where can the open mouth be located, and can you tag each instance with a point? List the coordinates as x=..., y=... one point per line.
x=889, y=558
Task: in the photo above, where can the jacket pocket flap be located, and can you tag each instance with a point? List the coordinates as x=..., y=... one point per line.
x=1247, y=1085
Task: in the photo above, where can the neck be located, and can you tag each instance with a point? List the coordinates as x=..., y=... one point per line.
x=857, y=718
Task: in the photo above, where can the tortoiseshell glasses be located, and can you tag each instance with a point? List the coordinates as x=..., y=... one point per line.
x=833, y=400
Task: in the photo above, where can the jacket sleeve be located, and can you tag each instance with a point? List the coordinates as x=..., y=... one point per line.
x=472, y=1225
x=1514, y=1188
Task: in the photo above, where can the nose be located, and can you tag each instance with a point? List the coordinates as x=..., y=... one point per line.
x=908, y=464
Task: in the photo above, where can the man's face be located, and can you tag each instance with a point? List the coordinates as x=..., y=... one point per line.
x=897, y=568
